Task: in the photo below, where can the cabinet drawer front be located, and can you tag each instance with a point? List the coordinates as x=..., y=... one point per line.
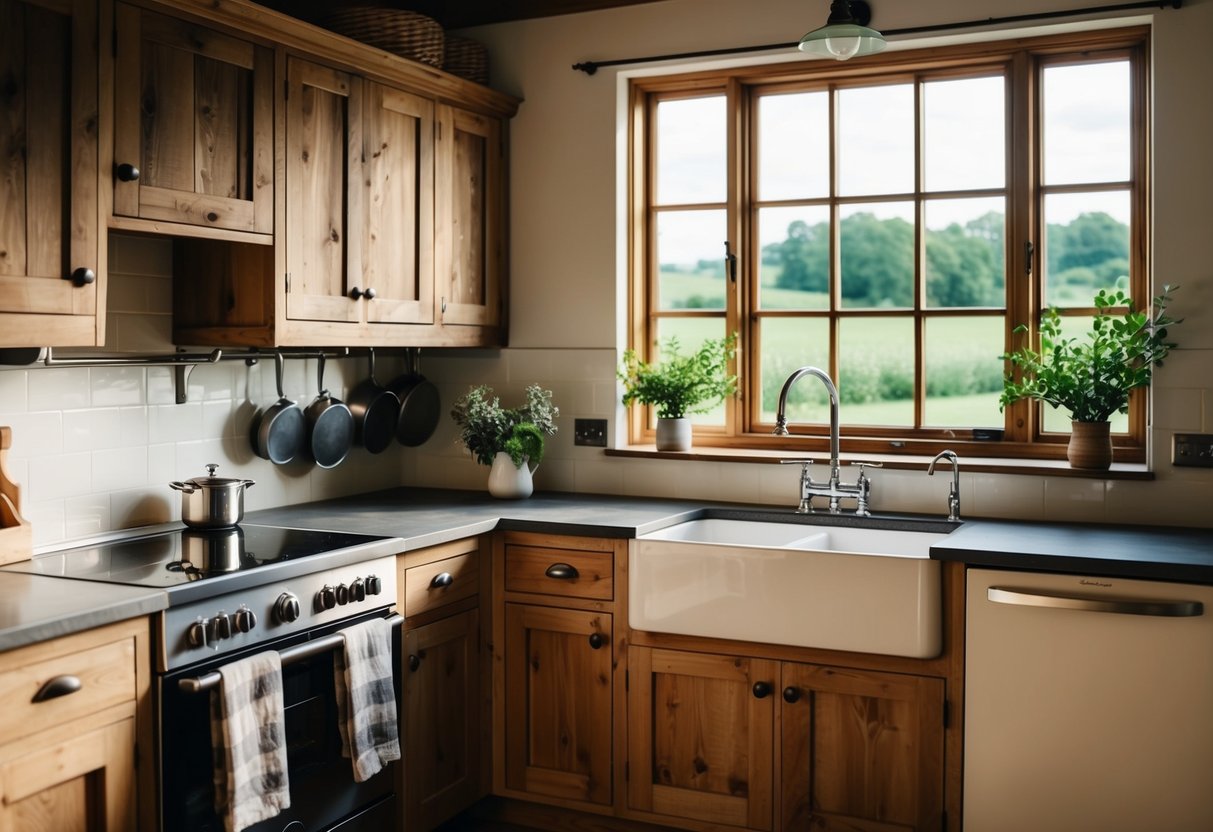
x=564, y=572
x=426, y=588
x=105, y=675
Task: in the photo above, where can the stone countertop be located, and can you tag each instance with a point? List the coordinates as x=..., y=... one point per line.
x=36, y=608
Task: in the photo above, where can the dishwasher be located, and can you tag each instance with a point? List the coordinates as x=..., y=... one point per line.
x=1088, y=704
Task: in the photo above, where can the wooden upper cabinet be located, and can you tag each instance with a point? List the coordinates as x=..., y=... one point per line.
x=193, y=127
x=470, y=217
x=398, y=169
x=52, y=249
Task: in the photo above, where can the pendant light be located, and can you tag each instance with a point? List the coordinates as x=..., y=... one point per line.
x=845, y=34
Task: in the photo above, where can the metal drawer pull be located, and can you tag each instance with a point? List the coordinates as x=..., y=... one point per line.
x=442, y=579
x=1025, y=598
x=56, y=687
x=290, y=654
x=562, y=572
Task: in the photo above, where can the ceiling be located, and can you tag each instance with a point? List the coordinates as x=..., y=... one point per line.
x=458, y=14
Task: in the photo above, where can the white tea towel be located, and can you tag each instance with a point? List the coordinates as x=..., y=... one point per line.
x=249, y=741
x=366, y=699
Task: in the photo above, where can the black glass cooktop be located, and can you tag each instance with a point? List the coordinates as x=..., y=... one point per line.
x=181, y=557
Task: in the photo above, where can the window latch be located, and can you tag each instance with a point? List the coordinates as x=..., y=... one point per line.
x=731, y=259
x=1029, y=251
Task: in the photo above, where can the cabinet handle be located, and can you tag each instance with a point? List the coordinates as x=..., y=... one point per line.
x=597, y=640
x=356, y=293
x=762, y=690
x=791, y=694
x=370, y=293
x=1124, y=606
x=83, y=277
x=56, y=687
x=442, y=579
x=414, y=663
x=126, y=172
x=562, y=572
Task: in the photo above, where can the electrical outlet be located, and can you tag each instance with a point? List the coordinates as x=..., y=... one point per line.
x=1192, y=449
x=590, y=432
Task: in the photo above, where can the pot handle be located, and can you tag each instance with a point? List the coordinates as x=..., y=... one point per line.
x=186, y=487
x=248, y=483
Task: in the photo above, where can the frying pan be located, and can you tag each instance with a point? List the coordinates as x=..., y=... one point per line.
x=278, y=431
x=375, y=409
x=330, y=425
x=420, y=408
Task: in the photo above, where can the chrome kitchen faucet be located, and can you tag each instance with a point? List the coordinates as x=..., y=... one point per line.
x=835, y=489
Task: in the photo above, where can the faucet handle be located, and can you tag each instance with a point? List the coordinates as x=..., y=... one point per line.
x=863, y=466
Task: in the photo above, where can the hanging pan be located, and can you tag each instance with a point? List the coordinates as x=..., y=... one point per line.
x=330, y=425
x=420, y=408
x=278, y=431
x=375, y=409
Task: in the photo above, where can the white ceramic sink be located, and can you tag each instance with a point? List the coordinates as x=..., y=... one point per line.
x=840, y=588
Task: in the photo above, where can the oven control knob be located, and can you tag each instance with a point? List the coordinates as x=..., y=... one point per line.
x=343, y=594
x=221, y=627
x=196, y=634
x=374, y=585
x=326, y=599
x=357, y=590
x=287, y=608
x=246, y=619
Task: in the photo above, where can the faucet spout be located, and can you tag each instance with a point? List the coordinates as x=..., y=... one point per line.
x=781, y=419
x=954, y=488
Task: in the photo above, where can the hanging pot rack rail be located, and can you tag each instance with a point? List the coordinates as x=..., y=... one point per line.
x=590, y=67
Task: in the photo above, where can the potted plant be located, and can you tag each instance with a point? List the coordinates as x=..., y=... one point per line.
x=679, y=384
x=1091, y=379
x=510, y=440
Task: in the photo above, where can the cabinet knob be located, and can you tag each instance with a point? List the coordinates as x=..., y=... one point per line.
x=414, y=663
x=597, y=640
x=762, y=690
x=791, y=694
x=562, y=572
x=358, y=294
x=83, y=277
x=442, y=579
x=126, y=172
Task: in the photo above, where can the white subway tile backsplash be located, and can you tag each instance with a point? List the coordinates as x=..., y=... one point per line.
x=62, y=475
x=35, y=434
x=117, y=386
x=175, y=422
x=144, y=507
x=87, y=515
x=86, y=430
x=1178, y=409
x=119, y=468
x=58, y=388
x=13, y=391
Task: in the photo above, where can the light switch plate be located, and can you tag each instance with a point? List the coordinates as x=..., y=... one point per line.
x=1192, y=449
x=591, y=432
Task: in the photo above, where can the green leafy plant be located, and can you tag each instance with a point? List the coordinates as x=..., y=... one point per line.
x=485, y=427
x=1092, y=378
x=680, y=384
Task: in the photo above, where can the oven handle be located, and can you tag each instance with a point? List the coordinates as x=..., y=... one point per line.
x=306, y=650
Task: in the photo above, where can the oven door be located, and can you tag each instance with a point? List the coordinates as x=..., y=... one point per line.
x=324, y=796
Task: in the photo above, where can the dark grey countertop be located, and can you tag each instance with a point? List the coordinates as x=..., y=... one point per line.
x=40, y=607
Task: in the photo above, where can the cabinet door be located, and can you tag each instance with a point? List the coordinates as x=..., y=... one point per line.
x=193, y=116
x=558, y=702
x=441, y=719
x=51, y=249
x=862, y=750
x=470, y=203
x=397, y=252
x=83, y=783
x=323, y=192
x=700, y=736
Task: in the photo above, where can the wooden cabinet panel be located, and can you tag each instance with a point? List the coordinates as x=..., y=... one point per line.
x=568, y=573
x=442, y=719
x=425, y=587
x=193, y=112
x=700, y=736
x=862, y=750
x=52, y=251
x=558, y=703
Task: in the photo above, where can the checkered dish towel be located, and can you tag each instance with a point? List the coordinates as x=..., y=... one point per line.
x=249, y=742
x=366, y=699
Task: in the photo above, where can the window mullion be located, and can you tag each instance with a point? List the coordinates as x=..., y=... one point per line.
x=1023, y=278
x=738, y=195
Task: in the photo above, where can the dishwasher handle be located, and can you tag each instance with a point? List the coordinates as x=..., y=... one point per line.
x=1124, y=606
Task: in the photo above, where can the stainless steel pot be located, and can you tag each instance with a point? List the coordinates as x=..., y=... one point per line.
x=211, y=502
x=210, y=551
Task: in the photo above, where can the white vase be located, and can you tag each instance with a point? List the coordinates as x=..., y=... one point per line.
x=674, y=434
x=508, y=481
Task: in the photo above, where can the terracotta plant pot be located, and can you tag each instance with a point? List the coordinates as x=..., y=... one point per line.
x=1090, y=446
x=673, y=434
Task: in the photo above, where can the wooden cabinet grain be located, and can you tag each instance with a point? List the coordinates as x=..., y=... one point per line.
x=52, y=242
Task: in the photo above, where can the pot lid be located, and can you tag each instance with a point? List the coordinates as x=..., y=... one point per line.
x=211, y=481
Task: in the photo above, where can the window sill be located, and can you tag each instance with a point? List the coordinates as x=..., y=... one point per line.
x=969, y=464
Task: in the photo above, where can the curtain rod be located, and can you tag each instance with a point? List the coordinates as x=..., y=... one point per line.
x=590, y=67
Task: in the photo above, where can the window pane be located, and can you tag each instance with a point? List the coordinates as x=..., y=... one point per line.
x=690, y=260
x=876, y=371
x=877, y=255
x=787, y=345
x=876, y=140
x=691, y=151
x=965, y=135
x=1057, y=420
x=794, y=146
x=691, y=333
x=1086, y=246
x=1086, y=123
x=966, y=252
x=964, y=372
x=794, y=271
